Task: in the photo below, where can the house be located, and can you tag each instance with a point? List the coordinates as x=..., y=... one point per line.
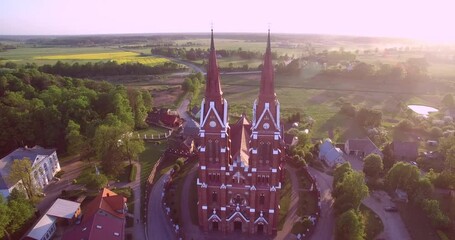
x=103, y=218
x=44, y=163
x=405, y=151
x=330, y=154
x=361, y=148
x=164, y=116
x=60, y=211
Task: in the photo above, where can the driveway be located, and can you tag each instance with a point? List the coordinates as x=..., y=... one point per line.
x=158, y=224
x=326, y=225
x=394, y=227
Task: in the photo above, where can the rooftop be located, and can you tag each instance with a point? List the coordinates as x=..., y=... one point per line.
x=63, y=208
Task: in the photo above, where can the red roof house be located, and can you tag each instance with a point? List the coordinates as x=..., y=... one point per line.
x=103, y=218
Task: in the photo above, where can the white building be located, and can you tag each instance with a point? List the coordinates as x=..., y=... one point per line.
x=44, y=164
x=330, y=154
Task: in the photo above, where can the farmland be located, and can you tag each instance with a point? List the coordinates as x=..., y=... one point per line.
x=42, y=56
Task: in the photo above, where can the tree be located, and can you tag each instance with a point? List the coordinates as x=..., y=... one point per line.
x=423, y=190
x=96, y=181
x=129, y=147
x=21, y=211
x=433, y=210
x=76, y=142
x=340, y=172
x=387, y=160
x=21, y=170
x=373, y=165
x=402, y=175
x=350, y=192
x=350, y=226
x=5, y=218
x=436, y=132
x=369, y=117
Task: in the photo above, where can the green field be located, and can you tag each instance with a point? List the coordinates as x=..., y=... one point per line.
x=42, y=56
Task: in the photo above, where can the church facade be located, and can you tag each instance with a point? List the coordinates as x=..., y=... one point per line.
x=241, y=165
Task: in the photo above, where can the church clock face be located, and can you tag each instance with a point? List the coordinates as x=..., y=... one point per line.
x=266, y=126
x=212, y=124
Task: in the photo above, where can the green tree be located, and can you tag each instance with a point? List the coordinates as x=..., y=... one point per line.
x=350, y=192
x=433, y=210
x=21, y=170
x=96, y=181
x=21, y=211
x=76, y=141
x=350, y=226
x=422, y=190
x=130, y=148
x=340, y=172
x=388, y=159
x=5, y=218
x=402, y=175
x=373, y=165
x=107, y=146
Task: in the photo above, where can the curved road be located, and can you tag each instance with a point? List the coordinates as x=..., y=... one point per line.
x=326, y=225
x=158, y=225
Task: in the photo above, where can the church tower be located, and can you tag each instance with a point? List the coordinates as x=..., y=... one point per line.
x=240, y=165
x=214, y=155
x=266, y=143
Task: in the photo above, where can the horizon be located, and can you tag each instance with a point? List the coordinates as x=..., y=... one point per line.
x=405, y=19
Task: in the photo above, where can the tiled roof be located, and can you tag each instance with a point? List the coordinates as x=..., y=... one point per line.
x=101, y=219
x=365, y=145
x=240, y=135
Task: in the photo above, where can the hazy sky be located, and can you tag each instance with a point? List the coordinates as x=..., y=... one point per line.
x=423, y=19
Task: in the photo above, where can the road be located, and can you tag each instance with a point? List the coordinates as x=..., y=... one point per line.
x=394, y=227
x=158, y=223
x=326, y=225
x=182, y=110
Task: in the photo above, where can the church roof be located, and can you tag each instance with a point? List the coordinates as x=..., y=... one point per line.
x=267, y=87
x=240, y=136
x=213, y=86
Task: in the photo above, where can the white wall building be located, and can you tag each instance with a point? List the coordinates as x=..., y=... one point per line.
x=44, y=163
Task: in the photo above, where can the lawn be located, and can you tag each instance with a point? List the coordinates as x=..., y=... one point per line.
x=308, y=203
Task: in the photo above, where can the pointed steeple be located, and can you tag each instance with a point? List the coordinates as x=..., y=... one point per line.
x=267, y=88
x=213, y=87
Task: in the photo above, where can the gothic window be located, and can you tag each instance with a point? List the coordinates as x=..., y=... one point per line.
x=217, y=151
x=217, y=177
x=261, y=199
x=209, y=150
x=214, y=196
x=261, y=152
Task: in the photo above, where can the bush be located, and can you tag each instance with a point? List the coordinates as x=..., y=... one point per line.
x=176, y=168
x=96, y=181
x=133, y=173
x=180, y=162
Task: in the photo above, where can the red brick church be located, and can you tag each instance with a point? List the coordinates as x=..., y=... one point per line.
x=240, y=165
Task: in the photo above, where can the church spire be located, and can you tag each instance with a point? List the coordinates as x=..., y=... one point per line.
x=213, y=87
x=267, y=88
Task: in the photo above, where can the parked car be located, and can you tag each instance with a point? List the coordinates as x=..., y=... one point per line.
x=391, y=209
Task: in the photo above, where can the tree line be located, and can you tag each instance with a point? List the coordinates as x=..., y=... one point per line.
x=66, y=113
x=109, y=68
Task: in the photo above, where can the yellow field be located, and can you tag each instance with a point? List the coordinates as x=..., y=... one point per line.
x=120, y=57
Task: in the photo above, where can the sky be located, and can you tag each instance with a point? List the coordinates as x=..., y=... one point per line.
x=420, y=19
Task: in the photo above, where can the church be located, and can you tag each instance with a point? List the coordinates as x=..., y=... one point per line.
x=240, y=165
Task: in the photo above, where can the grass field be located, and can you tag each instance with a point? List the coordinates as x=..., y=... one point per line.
x=42, y=56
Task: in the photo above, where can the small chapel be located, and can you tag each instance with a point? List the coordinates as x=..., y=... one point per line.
x=241, y=166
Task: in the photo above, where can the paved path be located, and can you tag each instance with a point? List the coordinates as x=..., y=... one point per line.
x=182, y=110
x=158, y=223
x=291, y=216
x=326, y=225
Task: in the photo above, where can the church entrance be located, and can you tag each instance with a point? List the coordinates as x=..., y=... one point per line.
x=260, y=229
x=215, y=226
x=238, y=226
